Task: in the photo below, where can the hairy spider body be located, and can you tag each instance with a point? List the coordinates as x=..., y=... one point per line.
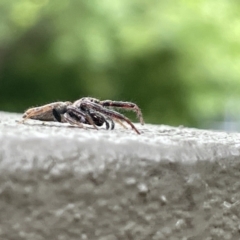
x=86, y=110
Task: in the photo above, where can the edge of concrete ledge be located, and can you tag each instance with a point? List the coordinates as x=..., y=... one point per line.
x=21, y=144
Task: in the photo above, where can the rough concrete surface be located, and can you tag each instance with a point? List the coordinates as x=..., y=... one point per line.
x=62, y=182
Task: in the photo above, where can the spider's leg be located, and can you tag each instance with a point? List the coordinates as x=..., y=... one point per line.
x=112, y=123
x=125, y=105
x=108, y=118
x=120, y=122
x=100, y=118
x=108, y=112
x=67, y=118
x=106, y=122
x=80, y=114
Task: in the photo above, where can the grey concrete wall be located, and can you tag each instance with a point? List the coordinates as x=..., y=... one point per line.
x=62, y=182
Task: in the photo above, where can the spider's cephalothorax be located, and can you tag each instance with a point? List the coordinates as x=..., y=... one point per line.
x=86, y=110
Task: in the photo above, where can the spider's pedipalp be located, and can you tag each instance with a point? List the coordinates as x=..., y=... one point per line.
x=99, y=119
x=67, y=118
x=81, y=115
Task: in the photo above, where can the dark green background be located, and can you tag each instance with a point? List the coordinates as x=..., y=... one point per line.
x=178, y=60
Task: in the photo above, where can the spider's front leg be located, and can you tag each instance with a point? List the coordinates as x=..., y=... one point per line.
x=99, y=119
x=125, y=105
x=107, y=112
x=74, y=116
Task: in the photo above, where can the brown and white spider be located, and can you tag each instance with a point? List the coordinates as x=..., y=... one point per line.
x=86, y=110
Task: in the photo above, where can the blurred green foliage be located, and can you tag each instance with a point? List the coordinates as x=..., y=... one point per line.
x=178, y=60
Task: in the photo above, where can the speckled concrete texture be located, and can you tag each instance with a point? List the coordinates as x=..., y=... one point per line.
x=62, y=182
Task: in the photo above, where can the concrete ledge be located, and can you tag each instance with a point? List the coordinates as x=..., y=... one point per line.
x=62, y=182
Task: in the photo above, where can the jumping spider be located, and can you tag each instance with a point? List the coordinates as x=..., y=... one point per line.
x=86, y=110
